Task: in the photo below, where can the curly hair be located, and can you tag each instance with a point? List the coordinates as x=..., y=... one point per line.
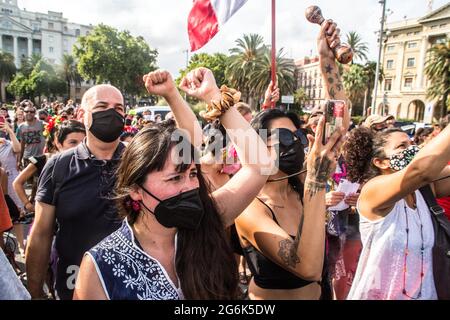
x=361, y=147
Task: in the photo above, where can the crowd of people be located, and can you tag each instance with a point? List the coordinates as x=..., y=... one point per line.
x=259, y=206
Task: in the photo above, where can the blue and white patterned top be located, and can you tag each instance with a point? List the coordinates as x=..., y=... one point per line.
x=128, y=273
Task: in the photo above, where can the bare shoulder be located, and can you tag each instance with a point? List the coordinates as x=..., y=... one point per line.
x=255, y=218
x=366, y=206
x=88, y=285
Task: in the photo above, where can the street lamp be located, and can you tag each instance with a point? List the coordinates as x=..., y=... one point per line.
x=380, y=43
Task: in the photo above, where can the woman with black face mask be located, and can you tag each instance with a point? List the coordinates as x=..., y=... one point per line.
x=172, y=244
x=283, y=230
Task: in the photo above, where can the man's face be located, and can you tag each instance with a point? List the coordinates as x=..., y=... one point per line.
x=42, y=117
x=30, y=113
x=103, y=99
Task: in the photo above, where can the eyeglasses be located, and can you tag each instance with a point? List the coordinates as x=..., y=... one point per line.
x=30, y=112
x=287, y=138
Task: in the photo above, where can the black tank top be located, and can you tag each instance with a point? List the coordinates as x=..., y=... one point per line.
x=267, y=274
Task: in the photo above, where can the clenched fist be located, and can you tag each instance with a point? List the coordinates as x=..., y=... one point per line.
x=201, y=84
x=160, y=83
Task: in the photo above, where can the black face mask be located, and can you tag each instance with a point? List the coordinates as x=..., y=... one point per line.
x=291, y=158
x=107, y=126
x=184, y=211
x=291, y=149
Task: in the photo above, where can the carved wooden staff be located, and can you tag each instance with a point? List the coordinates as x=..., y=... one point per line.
x=342, y=52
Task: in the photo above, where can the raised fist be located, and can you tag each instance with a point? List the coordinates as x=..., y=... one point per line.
x=159, y=83
x=201, y=84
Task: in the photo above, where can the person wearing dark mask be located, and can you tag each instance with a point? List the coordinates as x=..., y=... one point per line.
x=283, y=230
x=397, y=260
x=74, y=191
x=172, y=244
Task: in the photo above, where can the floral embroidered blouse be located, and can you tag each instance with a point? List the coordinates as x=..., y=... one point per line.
x=126, y=272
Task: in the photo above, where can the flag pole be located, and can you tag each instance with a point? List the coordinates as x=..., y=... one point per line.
x=274, y=62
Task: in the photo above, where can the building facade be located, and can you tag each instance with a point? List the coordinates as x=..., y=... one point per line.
x=403, y=91
x=309, y=77
x=24, y=33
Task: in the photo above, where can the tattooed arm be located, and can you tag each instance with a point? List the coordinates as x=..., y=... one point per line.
x=303, y=255
x=331, y=76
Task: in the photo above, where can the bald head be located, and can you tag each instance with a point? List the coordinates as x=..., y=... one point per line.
x=102, y=92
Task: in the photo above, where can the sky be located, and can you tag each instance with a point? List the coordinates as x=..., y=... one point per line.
x=163, y=23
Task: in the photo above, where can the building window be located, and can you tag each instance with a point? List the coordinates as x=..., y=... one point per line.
x=390, y=64
x=412, y=45
x=411, y=62
x=51, y=49
x=66, y=29
x=391, y=48
x=77, y=32
x=77, y=90
x=388, y=85
x=51, y=25
x=408, y=83
x=416, y=33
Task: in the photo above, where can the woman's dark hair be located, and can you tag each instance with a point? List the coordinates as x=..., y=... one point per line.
x=204, y=260
x=361, y=147
x=421, y=133
x=62, y=131
x=214, y=134
x=262, y=122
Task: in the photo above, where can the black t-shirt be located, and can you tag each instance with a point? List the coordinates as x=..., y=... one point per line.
x=85, y=211
x=39, y=162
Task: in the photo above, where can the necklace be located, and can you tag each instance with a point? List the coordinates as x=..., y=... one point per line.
x=422, y=251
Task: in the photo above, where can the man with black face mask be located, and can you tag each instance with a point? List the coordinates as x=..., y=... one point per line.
x=75, y=190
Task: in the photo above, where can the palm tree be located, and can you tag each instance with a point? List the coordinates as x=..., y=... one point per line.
x=27, y=65
x=437, y=70
x=242, y=61
x=7, y=69
x=360, y=48
x=69, y=72
x=355, y=82
x=260, y=76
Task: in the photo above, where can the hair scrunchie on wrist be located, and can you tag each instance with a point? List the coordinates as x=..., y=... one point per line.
x=217, y=108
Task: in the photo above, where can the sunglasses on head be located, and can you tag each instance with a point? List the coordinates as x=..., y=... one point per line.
x=287, y=138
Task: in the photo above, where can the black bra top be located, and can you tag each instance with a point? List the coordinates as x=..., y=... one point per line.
x=267, y=274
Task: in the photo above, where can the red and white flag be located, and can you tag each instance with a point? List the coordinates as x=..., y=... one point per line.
x=207, y=17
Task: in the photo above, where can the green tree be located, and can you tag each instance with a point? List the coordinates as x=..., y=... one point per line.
x=27, y=64
x=260, y=76
x=243, y=59
x=42, y=80
x=355, y=84
x=300, y=96
x=216, y=62
x=7, y=69
x=69, y=72
x=359, y=47
x=437, y=69
x=109, y=55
